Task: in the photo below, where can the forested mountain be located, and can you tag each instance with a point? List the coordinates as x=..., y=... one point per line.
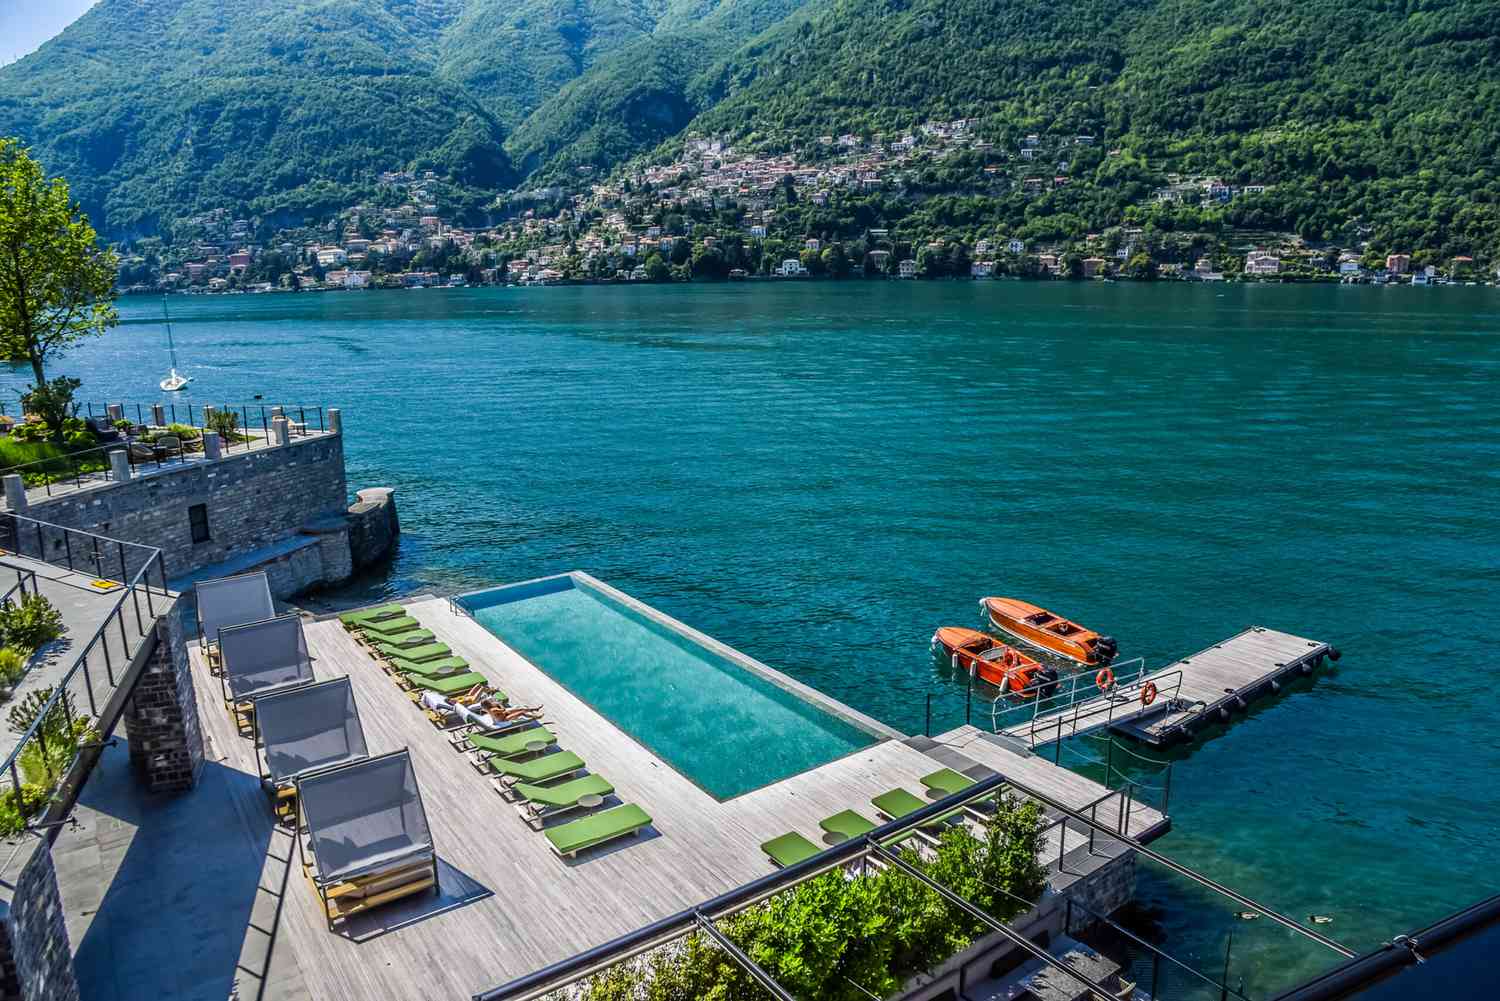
x=1376, y=115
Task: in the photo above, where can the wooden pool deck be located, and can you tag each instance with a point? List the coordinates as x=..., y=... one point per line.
x=508, y=905
x=1211, y=686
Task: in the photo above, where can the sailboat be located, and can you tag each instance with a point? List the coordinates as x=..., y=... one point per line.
x=175, y=381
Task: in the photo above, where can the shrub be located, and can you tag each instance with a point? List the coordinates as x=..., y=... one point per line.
x=184, y=431
x=837, y=938
x=29, y=623
x=80, y=439
x=31, y=431
x=12, y=665
x=226, y=423
x=55, y=741
x=121, y=425
x=13, y=815
x=52, y=401
x=74, y=424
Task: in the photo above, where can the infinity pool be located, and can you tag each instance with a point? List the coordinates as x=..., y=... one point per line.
x=722, y=725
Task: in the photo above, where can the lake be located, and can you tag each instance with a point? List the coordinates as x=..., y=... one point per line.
x=819, y=474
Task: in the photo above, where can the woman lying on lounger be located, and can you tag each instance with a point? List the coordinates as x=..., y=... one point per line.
x=501, y=713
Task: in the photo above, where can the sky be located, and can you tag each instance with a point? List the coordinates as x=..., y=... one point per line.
x=26, y=24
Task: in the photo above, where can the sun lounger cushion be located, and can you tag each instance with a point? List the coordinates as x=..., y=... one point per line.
x=514, y=743
x=415, y=637
x=548, y=766
x=389, y=627
x=564, y=793
x=596, y=830
x=431, y=668
x=899, y=803
x=849, y=824
x=449, y=685
x=947, y=781
x=429, y=651
x=371, y=614
x=789, y=849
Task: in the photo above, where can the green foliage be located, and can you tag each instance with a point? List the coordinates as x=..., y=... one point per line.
x=121, y=425
x=13, y=662
x=835, y=938
x=184, y=431
x=56, y=282
x=52, y=402
x=14, y=814
x=55, y=741
x=80, y=439
x=224, y=423
x=31, y=431
x=30, y=622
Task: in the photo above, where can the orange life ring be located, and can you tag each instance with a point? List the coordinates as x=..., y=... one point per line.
x=1010, y=658
x=1148, y=693
x=1105, y=679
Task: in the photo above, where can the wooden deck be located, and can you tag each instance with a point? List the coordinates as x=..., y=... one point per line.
x=507, y=905
x=1209, y=687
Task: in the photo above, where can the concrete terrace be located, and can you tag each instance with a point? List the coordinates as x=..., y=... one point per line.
x=146, y=469
x=199, y=896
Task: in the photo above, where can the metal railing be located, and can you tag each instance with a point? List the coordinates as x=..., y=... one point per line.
x=303, y=418
x=25, y=584
x=101, y=662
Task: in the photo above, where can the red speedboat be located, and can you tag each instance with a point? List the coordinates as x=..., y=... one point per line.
x=1003, y=666
x=1048, y=631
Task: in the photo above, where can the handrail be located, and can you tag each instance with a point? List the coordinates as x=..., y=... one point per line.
x=169, y=412
x=115, y=617
x=22, y=574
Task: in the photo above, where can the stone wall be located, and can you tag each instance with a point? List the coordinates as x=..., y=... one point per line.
x=36, y=963
x=161, y=721
x=253, y=498
x=373, y=526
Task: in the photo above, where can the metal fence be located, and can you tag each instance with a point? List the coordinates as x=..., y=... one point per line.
x=253, y=416
x=136, y=575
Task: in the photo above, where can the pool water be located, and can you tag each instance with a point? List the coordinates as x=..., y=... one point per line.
x=725, y=728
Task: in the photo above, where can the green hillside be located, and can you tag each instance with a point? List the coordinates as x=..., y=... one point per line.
x=154, y=109
x=1368, y=115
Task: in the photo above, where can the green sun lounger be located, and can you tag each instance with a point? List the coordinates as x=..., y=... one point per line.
x=416, y=637
x=539, y=769
x=947, y=781
x=789, y=849
x=538, y=803
x=571, y=838
x=848, y=825
x=514, y=744
x=899, y=803
x=360, y=615
x=428, y=651
x=389, y=627
x=431, y=668
x=452, y=683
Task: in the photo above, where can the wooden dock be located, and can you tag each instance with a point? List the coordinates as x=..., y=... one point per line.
x=1211, y=686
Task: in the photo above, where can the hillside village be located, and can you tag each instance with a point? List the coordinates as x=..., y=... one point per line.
x=716, y=211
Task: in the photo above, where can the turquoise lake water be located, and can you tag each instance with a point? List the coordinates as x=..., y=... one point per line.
x=727, y=730
x=820, y=474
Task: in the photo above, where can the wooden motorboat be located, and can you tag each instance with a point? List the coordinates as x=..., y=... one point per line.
x=1048, y=631
x=987, y=658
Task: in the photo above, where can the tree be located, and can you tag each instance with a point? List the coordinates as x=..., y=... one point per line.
x=56, y=282
x=656, y=268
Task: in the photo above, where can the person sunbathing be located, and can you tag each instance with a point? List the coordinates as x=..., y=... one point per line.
x=501, y=713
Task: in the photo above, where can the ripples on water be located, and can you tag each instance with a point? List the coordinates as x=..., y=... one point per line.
x=820, y=475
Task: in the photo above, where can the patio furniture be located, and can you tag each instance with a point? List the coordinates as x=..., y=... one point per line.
x=947, y=782
x=303, y=730
x=898, y=803
x=430, y=668
x=533, y=740
x=538, y=769
x=415, y=637
x=429, y=651
x=541, y=803
x=230, y=601
x=789, y=849
x=450, y=685
x=374, y=614
x=382, y=629
x=847, y=825
x=367, y=833
x=168, y=445
x=140, y=452
x=260, y=658
x=571, y=838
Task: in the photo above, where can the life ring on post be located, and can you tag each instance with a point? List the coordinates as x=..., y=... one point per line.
x=1148, y=693
x=1105, y=679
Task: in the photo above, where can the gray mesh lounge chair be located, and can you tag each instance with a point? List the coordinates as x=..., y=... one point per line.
x=260, y=658
x=305, y=729
x=231, y=601
x=368, y=834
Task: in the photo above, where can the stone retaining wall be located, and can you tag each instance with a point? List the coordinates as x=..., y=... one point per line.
x=35, y=961
x=253, y=499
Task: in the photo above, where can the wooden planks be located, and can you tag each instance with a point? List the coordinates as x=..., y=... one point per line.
x=1207, y=687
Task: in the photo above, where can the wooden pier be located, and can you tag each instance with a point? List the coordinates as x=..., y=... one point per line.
x=1211, y=686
